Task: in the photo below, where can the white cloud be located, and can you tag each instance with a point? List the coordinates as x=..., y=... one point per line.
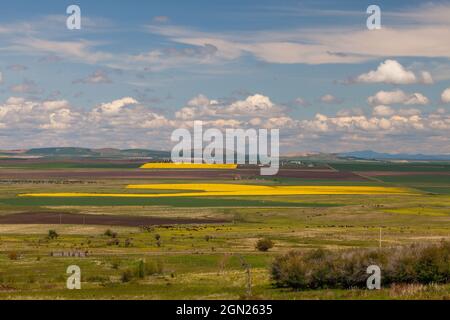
x=202, y=108
x=332, y=44
x=254, y=105
x=27, y=86
x=330, y=99
x=81, y=50
x=301, y=102
x=383, y=111
x=98, y=77
x=397, y=97
x=114, y=107
x=19, y=113
x=392, y=72
x=445, y=97
x=127, y=123
x=158, y=59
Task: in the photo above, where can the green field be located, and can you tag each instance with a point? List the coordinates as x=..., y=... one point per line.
x=190, y=202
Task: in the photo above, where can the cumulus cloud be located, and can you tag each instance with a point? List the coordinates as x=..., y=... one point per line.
x=383, y=111
x=255, y=104
x=445, y=96
x=126, y=122
x=392, y=72
x=19, y=113
x=397, y=97
x=114, y=107
x=202, y=107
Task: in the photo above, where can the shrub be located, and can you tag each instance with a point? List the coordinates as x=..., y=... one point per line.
x=128, y=242
x=127, y=276
x=155, y=267
x=113, y=242
x=320, y=269
x=52, y=234
x=110, y=233
x=149, y=268
x=157, y=237
x=264, y=244
x=13, y=255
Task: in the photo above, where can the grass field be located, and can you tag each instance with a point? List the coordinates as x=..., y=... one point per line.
x=204, y=261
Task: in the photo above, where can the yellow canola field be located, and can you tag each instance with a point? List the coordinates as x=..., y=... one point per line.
x=212, y=190
x=187, y=166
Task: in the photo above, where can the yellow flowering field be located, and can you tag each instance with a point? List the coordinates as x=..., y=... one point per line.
x=187, y=166
x=208, y=190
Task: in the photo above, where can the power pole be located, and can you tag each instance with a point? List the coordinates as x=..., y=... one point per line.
x=380, y=237
x=248, y=276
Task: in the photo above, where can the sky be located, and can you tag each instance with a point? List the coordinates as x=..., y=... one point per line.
x=138, y=70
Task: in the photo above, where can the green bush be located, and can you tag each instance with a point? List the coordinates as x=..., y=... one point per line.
x=319, y=269
x=110, y=233
x=52, y=234
x=149, y=268
x=264, y=244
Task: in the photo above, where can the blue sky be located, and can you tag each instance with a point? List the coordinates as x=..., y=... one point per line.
x=140, y=69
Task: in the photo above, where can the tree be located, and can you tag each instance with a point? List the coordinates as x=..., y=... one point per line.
x=52, y=234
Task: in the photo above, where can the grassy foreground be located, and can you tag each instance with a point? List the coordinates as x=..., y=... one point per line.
x=205, y=261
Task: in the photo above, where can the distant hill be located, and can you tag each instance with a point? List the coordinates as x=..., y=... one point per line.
x=112, y=153
x=372, y=155
x=71, y=152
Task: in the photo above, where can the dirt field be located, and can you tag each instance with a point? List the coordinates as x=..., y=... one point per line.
x=87, y=219
x=173, y=174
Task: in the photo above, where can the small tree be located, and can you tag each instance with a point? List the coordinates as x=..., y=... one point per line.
x=52, y=234
x=264, y=244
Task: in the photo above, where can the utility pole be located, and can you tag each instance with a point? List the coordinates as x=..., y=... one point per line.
x=380, y=237
x=248, y=274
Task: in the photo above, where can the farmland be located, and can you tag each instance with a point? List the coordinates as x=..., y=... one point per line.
x=194, y=244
